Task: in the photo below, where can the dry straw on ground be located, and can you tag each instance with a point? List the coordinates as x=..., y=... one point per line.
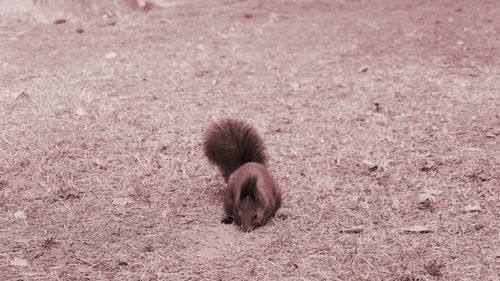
x=380, y=117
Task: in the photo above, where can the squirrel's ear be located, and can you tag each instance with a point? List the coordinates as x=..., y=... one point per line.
x=248, y=188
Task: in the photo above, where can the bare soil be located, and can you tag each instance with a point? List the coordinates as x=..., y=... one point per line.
x=381, y=120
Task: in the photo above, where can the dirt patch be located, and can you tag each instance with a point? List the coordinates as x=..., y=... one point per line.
x=214, y=243
x=59, y=11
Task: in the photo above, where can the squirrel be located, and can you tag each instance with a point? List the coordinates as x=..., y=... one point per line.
x=252, y=196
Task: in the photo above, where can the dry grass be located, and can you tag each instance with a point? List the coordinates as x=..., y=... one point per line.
x=381, y=121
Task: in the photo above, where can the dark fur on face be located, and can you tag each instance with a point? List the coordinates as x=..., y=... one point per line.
x=249, y=211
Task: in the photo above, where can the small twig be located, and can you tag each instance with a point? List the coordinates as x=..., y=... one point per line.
x=356, y=229
x=3, y=137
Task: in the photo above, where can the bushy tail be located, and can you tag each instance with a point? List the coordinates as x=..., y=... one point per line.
x=231, y=143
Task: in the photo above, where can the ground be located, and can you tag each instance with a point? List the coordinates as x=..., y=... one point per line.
x=381, y=121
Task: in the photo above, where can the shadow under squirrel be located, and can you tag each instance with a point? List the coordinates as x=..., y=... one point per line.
x=252, y=196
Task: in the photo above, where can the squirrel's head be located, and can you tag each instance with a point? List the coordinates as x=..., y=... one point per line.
x=249, y=214
x=249, y=211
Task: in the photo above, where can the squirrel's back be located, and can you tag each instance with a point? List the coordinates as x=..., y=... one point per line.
x=231, y=143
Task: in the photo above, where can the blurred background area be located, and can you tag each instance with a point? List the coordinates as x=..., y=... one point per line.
x=48, y=11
